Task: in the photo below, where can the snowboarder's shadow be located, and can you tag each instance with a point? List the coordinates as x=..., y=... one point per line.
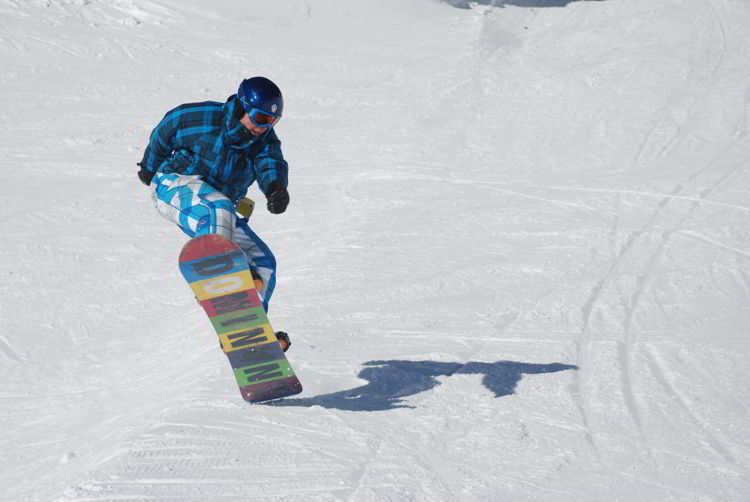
x=468, y=4
x=391, y=381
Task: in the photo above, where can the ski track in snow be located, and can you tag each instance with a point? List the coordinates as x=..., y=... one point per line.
x=515, y=265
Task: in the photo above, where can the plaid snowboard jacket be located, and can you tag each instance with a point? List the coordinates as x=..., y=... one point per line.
x=207, y=139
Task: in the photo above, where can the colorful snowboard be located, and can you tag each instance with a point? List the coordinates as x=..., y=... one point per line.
x=217, y=272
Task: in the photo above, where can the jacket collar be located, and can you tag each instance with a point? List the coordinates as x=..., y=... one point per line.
x=235, y=134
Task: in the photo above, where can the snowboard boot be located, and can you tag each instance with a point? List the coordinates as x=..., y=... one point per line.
x=283, y=339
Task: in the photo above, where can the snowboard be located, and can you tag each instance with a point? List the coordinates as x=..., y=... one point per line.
x=216, y=270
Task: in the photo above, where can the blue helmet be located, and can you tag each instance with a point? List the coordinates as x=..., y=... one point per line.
x=262, y=100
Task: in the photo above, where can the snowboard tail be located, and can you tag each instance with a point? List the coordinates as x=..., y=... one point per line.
x=216, y=270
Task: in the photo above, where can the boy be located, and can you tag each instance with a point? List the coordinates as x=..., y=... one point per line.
x=202, y=158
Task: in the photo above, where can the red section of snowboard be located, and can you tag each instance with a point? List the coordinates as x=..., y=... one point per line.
x=271, y=390
x=231, y=303
x=206, y=245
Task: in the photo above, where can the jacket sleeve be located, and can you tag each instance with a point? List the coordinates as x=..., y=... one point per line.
x=270, y=165
x=161, y=143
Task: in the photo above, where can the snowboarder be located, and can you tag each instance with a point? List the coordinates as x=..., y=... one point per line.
x=202, y=158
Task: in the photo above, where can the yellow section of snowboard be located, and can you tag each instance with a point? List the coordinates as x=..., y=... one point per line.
x=247, y=338
x=222, y=285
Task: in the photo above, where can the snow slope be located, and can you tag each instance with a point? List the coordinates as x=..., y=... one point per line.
x=515, y=265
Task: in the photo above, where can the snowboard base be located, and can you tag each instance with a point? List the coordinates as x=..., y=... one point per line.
x=216, y=270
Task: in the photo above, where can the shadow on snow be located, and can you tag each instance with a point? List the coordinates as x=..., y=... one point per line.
x=390, y=381
x=468, y=4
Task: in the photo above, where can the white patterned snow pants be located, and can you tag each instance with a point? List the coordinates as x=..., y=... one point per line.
x=198, y=209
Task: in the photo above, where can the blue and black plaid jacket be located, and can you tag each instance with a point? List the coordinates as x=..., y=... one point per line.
x=207, y=139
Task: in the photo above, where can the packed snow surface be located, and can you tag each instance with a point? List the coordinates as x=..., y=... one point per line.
x=515, y=267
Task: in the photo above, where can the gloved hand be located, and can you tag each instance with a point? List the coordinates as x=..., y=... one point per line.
x=278, y=197
x=145, y=175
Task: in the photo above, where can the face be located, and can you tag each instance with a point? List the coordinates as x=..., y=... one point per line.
x=254, y=129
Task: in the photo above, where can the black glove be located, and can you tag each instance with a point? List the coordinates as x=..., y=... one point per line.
x=278, y=197
x=145, y=175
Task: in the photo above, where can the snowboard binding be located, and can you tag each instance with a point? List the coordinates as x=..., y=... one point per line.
x=283, y=339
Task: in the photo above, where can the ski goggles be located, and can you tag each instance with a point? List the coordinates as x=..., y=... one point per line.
x=259, y=117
